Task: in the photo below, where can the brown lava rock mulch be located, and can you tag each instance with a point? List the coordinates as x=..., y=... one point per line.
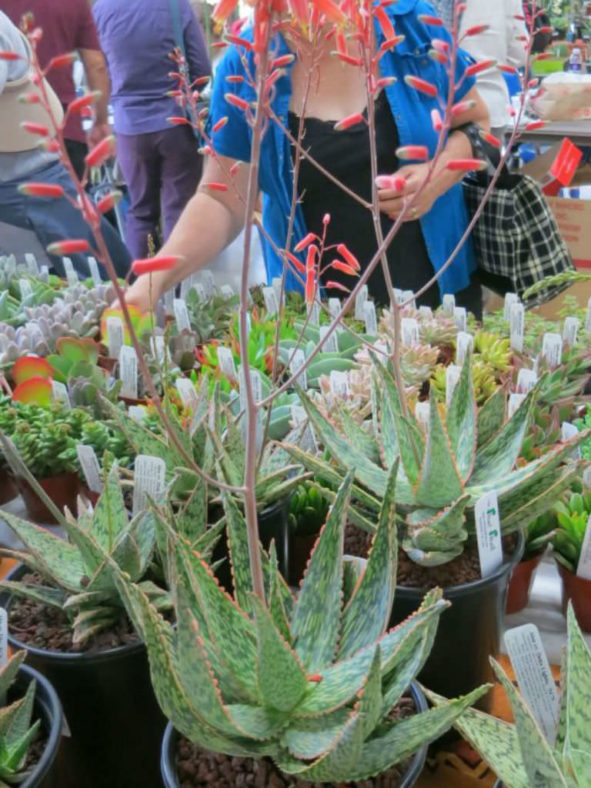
x=44, y=627
x=197, y=767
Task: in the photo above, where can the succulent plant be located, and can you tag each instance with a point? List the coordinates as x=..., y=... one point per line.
x=493, y=351
x=308, y=508
x=308, y=679
x=572, y=516
x=538, y=534
x=584, y=423
x=443, y=471
x=210, y=318
x=520, y=754
x=16, y=733
x=76, y=577
x=439, y=330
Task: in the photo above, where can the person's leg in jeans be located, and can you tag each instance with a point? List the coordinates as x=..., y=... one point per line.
x=181, y=171
x=140, y=164
x=77, y=152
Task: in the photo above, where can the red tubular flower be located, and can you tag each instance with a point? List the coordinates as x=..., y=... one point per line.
x=5, y=55
x=101, y=152
x=507, y=69
x=235, y=167
x=35, y=128
x=219, y=45
x=490, y=138
x=339, y=265
x=482, y=65
x=49, y=145
x=352, y=61
x=392, y=43
x=284, y=60
x=41, y=190
x=217, y=187
x=178, y=121
x=385, y=82
x=223, y=10
x=461, y=107
x=236, y=101
x=385, y=23
x=338, y=286
x=436, y=120
x=220, y=124
x=535, y=124
x=306, y=241
x=239, y=42
x=61, y=61
x=427, y=19
x=109, y=201
x=153, y=264
x=440, y=45
x=297, y=264
x=234, y=78
x=311, y=273
x=63, y=248
x=300, y=11
x=416, y=152
x=438, y=57
x=29, y=98
x=476, y=30
x=349, y=257
x=466, y=165
x=346, y=123
x=315, y=677
x=330, y=10
x=428, y=88
x=394, y=182
x=84, y=101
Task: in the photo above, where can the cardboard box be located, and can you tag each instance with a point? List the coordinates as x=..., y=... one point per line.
x=574, y=221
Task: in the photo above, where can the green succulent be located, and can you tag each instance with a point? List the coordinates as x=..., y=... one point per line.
x=520, y=754
x=75, y=571
x=584, y=423
x=306, y=679
x=572, y=515
x=483, y=379
x=493, y=351
x=538, y=534
x=210, y=319
x=308, y=509
x=16, y=731
x=443, y=471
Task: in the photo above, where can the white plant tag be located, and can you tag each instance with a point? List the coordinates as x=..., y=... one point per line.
x=409, y=296
x=3, y=640
x=568, y=431
x=169, y=302
x=552, y=349
x=32, y=264
x=510, y=299
x=187, y=393
x=208, y=283
x=515, y=401
x=271, y=301
x=464, y=346
x=181, y=314
x=534, y=676
x=423, y=413
x=360, y=300
x=331, y=345
x=409, y=328
x=149, y=479
x=25, y=288
x=449, y=304
x=71, y=275
x=314, y=313
x=488, y=533
x=227, y=292
x=297, y=362
x=128, y=372
x=425, y=313
x=588, y=318
x=186, y=286
x=526, y=380
x=334, y=307
x=339, y=383
x=517, y=326
x=570, y=330
x=452, y=377
x=370, y=317
x=59, y=393
x=257, y=393
x=94, y=271
x=137, y=413
x=584, y=565
x=226, y=362
x=276, y=285
x=90, y=467
x=461, y=318
x=308, y=440
x=44, y=275
x=399, y=296
x=158, y=347
x=114, y=336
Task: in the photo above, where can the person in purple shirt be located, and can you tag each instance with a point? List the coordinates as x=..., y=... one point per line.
x=159, y=162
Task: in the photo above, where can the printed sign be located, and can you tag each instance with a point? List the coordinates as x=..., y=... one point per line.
x=488, y=533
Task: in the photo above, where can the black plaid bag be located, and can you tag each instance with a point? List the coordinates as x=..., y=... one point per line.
x=516, y=239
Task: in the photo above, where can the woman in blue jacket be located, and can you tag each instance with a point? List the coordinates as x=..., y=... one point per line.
x=403, y=116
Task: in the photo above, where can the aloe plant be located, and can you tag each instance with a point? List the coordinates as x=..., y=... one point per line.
x=572, y=515
x=16, y=731
x=306, y=679
x=520, y=754
x=444, y=469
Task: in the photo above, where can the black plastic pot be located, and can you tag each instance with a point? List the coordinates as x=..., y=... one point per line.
x=469, y=631
x=113, y=723
x=168, y=753
x=47, y=708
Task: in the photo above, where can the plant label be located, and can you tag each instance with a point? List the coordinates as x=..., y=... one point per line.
x=515, y=401
x=276, y=285
x=331, y=344
x=534, y=676
x=25, y=288
x=510, y=299
x=71, y=275
x=201, y=292
x=461, y=318
x=464, y=346
x=526, y=380
x=3, y=641
x=449, y=304
x=409, y=328
x=425, y=313
x=314, y=313
x=187, y=393
x=334, y=307
x=257, y=393
x=587, y=477
x=298, y=360
x=399, y=296
x=94, y=271
x=90, y=467
x=370, y=317
x=59, y=393
x=208, y=283
x=44, y=275
x=584, y=565
x=114, y=336
x=360, y=300
x=226, y=362
x=186, y=286
x=271, y=302
x=423, y=414
x=339, y=383
x=308, y=440
x=158, y=347
x=382, y=352
x=588, y=318
x=452, y=378
x=181, y=314
x=227, y=292
x=568, y=431
x=409, y=298
x=149, y=480
x=517, y=326
x=552, y=349
x=128, y=372
x=570, y=330
x=32, y=264
x=137, y=413
x=169, y=302
x=488, y=533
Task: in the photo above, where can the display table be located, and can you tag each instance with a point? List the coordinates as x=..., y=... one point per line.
x=578, y=131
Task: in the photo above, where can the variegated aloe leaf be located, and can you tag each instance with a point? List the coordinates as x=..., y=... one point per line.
x=17, y=734
x=238, y=550
x=461, y=421
x=436, y=537
x=362, y=437
x=47, y=595
x=559, y=480
x=275, y=595
x=316, y=616
x=367, y=613
x=577, y=678
x=110, y=517
x=491, y=416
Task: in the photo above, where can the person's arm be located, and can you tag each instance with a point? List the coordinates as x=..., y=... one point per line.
x=210, y=221
x=97, y=76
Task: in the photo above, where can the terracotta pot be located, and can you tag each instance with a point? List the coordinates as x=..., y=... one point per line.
x=8, y=487
x=62, y=489
x=521, y=583
x=577, y=590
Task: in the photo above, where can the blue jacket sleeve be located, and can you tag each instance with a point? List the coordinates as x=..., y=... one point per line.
x=233, y=139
